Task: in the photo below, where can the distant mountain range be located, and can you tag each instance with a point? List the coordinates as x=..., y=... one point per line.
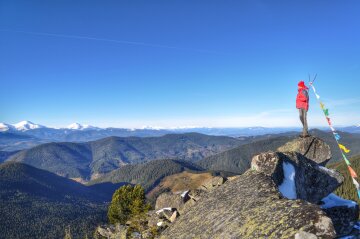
x=27, y=134
x=88, y=160
x=28, y=125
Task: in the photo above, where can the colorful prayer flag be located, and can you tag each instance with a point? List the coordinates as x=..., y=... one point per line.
x=337, y=136
x=344, y=148
x=352, y=172
x=345, y=159
x=328, y=120
x=356, y=184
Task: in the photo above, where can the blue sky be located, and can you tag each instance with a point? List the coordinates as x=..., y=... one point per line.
x=177, y=63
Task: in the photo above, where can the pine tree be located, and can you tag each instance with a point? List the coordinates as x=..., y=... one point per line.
x=128, y=201
x=67, y=233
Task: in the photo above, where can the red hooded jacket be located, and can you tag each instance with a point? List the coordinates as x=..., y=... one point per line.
x=302, y=98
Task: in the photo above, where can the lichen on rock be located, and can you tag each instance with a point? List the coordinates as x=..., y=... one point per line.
x=250, y=207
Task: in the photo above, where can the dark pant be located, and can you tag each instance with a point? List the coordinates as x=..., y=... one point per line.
x=303, y=119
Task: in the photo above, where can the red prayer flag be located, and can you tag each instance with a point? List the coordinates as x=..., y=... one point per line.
x=328, y=120
x=352, y=172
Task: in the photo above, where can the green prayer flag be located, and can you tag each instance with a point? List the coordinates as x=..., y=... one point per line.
x=326, y=112
x=346, y=160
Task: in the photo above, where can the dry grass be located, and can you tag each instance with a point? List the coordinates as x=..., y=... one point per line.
x=181, y=182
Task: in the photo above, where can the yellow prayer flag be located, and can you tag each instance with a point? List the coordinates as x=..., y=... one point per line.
x=344, y=148
x=322, y=106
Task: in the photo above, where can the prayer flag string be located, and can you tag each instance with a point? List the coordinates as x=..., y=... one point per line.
x=344, y=150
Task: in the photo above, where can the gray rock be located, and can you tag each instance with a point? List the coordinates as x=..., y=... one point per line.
x=311, y=147
x=270, y=164
x=197, y=194
x=305, y=235
x=187, y=206
x=344, y=217
x=312, y=181
x=250, y=207
x=166, y=214
x=111, y=231
x=169, y=199
x=213, y=183
x=147, y=234
x=174, y=216
x=153, y=218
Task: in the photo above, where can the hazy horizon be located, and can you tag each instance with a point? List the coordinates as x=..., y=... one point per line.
x=155, y=127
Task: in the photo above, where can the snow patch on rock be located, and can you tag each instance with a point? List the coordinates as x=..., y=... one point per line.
x=335, y=201
x=164, y=209
x=288, y=188
x=184, y=194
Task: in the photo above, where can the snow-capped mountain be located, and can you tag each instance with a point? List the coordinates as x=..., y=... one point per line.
x=27, y=125
x=6, y=127
x=21, y=126
x=77, y=126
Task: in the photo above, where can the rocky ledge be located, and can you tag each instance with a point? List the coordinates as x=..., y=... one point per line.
x=285, y=194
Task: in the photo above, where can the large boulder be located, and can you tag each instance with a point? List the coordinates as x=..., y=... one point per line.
x=213, y=183
x=311, y=147
x=343, y=213
x=297, y=176
x=250, y=207
x=197, y=194
x=191, y=202
x=169, y=200
x=111, y=231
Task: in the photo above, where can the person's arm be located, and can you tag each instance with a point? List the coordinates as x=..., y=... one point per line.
x=306, y=93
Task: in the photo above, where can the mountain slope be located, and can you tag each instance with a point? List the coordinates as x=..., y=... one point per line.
x=38, y=204
x=85, y=160
x=12, y=141
x=4, y=155
x=351, y=140
x=180, y=182
x=65, y=159
x=237, y=160
x=147, y=174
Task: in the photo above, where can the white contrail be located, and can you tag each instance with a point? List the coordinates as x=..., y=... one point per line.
x=110, y=40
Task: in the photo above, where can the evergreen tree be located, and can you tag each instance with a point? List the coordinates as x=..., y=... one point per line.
x=347, y=190
x=67, y=233
x=127, y=202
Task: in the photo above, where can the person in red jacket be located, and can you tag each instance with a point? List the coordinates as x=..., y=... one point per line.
x=302, y=103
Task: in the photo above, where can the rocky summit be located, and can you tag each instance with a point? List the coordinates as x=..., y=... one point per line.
x=285, y=194
x=311, y=147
